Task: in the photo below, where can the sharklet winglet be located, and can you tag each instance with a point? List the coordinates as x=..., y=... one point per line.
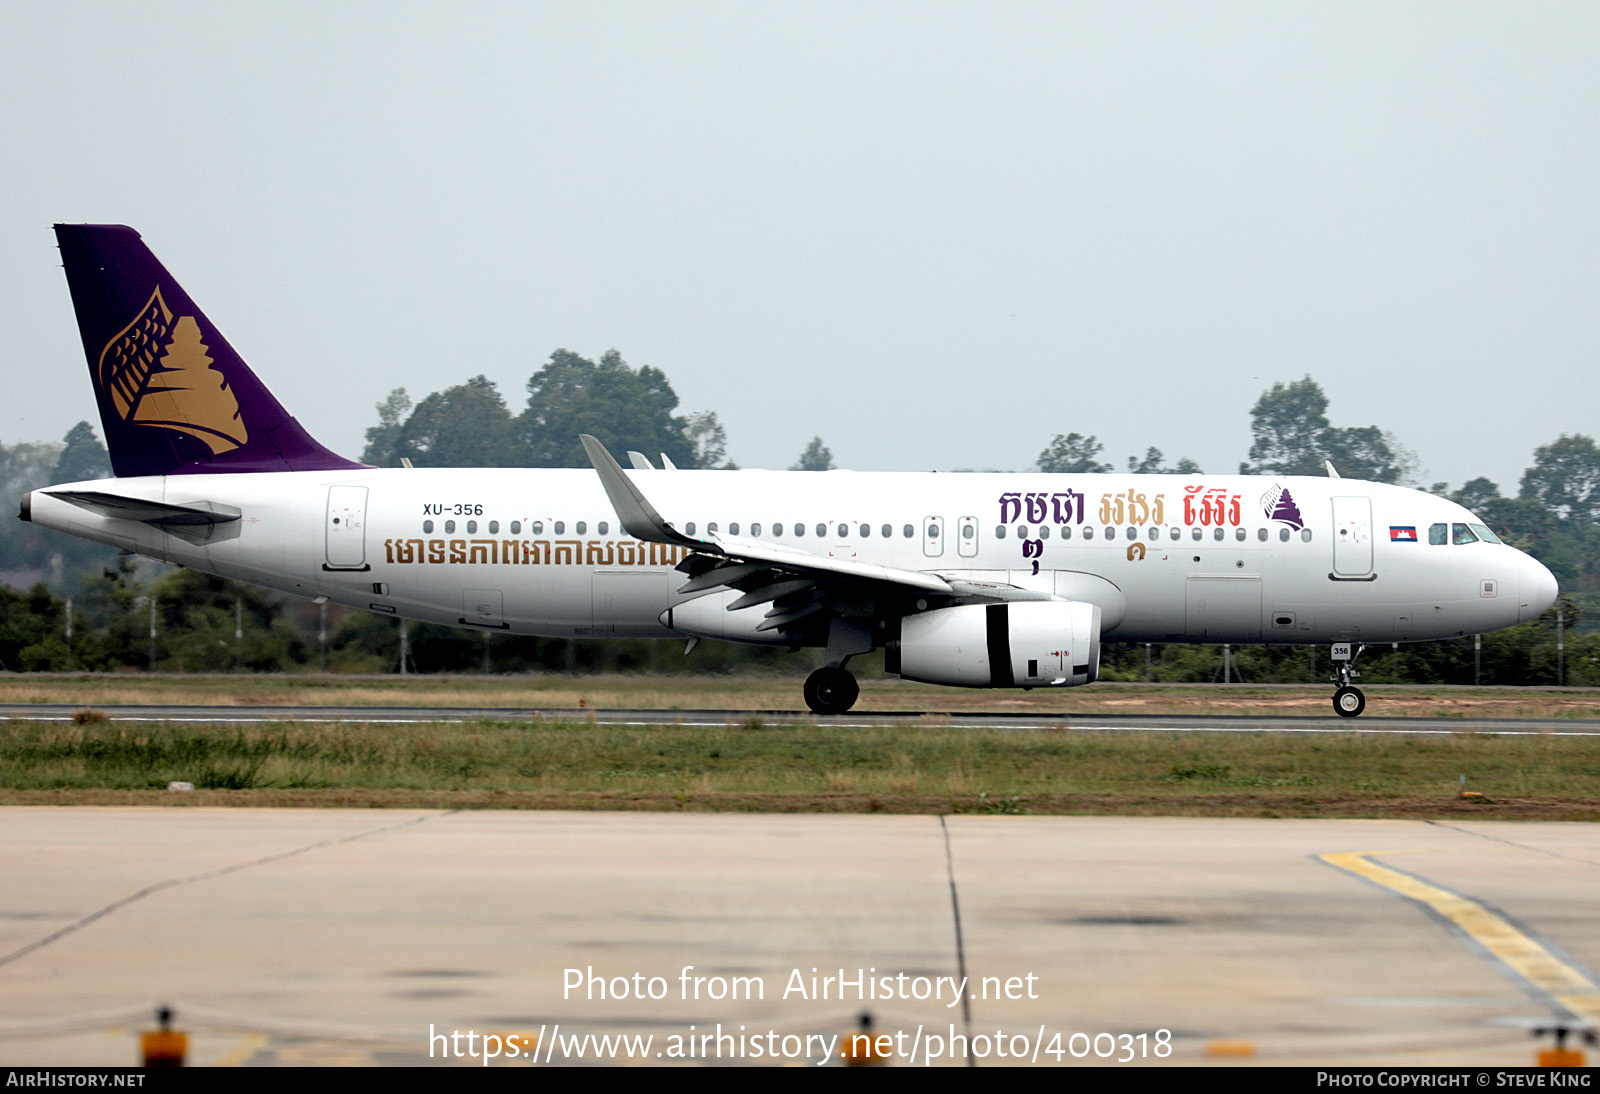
x=634, y=510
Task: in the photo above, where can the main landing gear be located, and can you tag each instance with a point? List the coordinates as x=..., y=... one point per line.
x=831, y=690
x=1348, y=702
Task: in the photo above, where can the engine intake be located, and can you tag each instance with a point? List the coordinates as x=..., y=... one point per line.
x=1021, y=644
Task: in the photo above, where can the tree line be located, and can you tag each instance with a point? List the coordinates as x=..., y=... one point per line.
x=207, y=624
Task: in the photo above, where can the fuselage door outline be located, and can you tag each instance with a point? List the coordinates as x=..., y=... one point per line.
x=345, y=532
x=1352, y=536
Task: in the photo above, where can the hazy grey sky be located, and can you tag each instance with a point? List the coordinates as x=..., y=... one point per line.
x=936, y=234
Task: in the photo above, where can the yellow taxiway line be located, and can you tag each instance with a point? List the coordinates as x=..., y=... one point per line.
x=1566, y=986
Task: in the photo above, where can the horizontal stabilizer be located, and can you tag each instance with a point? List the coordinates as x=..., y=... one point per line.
x=150, y=512
x=196, y=521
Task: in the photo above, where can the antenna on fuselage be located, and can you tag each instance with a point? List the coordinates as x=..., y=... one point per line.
x=1332, y=474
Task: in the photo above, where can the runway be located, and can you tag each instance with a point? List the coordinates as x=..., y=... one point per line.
x=1095, y=722
x=360, y=936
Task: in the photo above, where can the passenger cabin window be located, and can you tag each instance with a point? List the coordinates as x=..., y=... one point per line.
x=1044, y=531
x=427, y=526
x=561, y=527
x=1238, y=534
x=1283, y=535
x=755, y=530
x=472, y=527
x=516, y=527
x=1088, y=532
x=1305, y=534
x=866, y=531
x=711, y=528
x=733, y=529
x=449, y=527
x=537, y=528
x=1195, y=534
x=583, y=528
x=1216, y=534
x=1261, y=534
x=1066, y=531
x=1174, y=533
x=908, y=531
x=688, y=529
x=494, y=527
x=822, y=531
x=601, y=528
x=887, y=530
x=999, y=531
x=799, y=530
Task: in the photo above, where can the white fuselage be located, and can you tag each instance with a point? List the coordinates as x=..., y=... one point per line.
x=540, y=552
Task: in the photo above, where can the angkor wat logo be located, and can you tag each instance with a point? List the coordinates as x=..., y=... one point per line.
x=158, y=374
x=1278, y=504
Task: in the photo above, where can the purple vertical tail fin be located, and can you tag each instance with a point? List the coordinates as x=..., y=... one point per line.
x=174, y=397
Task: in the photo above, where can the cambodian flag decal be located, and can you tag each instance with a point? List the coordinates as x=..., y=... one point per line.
x=1402, y=533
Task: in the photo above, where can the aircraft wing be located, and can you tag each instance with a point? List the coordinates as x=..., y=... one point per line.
x=798, y=584
x=641, y=520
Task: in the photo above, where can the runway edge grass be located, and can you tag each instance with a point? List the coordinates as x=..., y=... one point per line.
x=759, y=692
x=751, y=766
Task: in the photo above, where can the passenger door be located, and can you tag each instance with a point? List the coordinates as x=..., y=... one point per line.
x=346, y=529
x=1352, y=537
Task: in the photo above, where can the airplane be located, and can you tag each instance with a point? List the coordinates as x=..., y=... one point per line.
x=982, y=580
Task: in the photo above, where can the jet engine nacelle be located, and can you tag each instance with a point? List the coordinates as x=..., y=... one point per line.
x=1020, y=644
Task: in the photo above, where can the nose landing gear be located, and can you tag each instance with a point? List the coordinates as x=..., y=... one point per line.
x=1348, y=702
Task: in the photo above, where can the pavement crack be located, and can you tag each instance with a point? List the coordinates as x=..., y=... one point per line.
x=1507, y=842
x=961, y=950
x=206, y=875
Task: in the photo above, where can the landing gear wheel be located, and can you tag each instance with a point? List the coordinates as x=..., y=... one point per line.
x=831, y=691
x=1349, y=702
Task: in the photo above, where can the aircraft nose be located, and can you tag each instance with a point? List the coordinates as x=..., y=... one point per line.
x=1537, y=586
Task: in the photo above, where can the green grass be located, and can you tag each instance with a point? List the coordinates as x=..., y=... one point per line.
x=753, y=766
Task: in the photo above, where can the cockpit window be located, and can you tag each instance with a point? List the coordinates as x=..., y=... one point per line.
x=1438, y=534
x=1460, y=533
x=1484, y=533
